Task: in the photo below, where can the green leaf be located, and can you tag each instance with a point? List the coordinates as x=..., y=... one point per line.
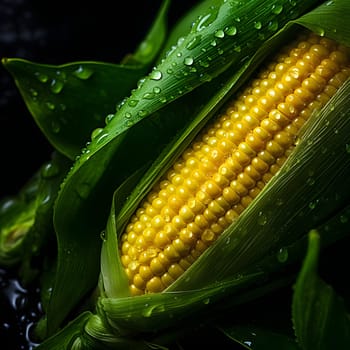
x=26, y=224
x=320, y=319
x=324, y=21
x=68, y=337
x=254, y=338
x=69, y=101
x=148, y=49
x=211, y=46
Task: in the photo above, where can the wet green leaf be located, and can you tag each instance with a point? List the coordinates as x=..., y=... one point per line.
x=320, y=318
x=71, y=100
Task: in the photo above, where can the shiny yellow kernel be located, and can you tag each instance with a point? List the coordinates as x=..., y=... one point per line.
x=229, y=163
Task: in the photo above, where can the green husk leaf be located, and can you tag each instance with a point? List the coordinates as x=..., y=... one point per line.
x=69, y=101
x=319, y=314
x=324, y=21
x=158, y=311
x=51, y=93
x=148, y=49
x=68, y=337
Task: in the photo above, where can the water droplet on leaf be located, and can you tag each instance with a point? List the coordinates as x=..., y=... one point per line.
x=231, y=31
x=257, y=25
x=277, y=9
x=219, y=34
x=49, y=170
x=83, y=73
x=156, y=75
x=282, y=255
x=43, y=78
x=56, y=86
x=188, y=61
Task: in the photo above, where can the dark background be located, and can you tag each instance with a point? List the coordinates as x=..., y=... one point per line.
x=55, y=33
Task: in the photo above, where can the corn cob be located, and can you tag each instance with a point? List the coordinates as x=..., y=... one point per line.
x=229, y=163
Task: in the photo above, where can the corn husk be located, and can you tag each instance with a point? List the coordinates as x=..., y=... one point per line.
x=308, y=192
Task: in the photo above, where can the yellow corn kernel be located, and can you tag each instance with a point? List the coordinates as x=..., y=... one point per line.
x=229, y=163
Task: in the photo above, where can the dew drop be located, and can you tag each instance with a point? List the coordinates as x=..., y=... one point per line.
x=219, y=34
x=277, y=9
x=204, y=21
x=262, y=219
x=109, y=118
x=61, y=74
x=132, y=102
x=148, y=95
x=257, y=25
x=213, y=43
x=310, y=181
x=33, y=92
x=231, y=31
x=95, y=133
x=101, y=137
x=51, y=106
x=157, y=90
x=142, y=113
x=128, y=115
x=188, y=61
x=313, y=204
x=43, y=78
x=83, y=73
x=204, y=64
x=140, y=82
x=237, y=49
x=56, y=86
x=272, y=25
x=148, y=310
x=103, y=236
x=206, y=301
x=170, y=71
x=49, y=170
x=83, y=190
x=347, y=148
x=282, y=255
x=156, y=75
